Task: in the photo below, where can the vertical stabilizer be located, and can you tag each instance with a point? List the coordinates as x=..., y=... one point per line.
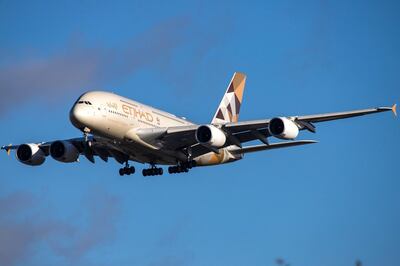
x=229, y=108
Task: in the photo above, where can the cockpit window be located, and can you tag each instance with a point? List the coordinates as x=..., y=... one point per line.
x=85, y=102
x=77, y=101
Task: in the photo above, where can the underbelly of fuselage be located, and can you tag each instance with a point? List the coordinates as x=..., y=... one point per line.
x=136, y=151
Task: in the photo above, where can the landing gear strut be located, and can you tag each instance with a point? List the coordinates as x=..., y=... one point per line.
x=153, y=170
x=127, y=170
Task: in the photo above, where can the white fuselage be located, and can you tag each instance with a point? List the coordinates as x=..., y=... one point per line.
x=116, y=120
x=108, y=114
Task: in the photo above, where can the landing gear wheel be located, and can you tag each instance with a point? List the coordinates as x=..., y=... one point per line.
x=132, y=169
x=152, y=171
x=182, y=168
x=127, y=170
x=170, y=170
x=160, y=171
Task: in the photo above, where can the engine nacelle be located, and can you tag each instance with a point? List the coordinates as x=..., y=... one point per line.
x=64, y=151
x=283, y=128
x=211, y=136
x=30, y=154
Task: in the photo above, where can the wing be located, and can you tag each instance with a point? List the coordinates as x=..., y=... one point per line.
x=304, y=122
x=178, y=138
x=90, y=148
x=257, y=124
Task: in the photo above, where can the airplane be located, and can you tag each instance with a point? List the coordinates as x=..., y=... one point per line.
x=115, y=126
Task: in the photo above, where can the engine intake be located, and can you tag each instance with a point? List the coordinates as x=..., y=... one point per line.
x=283, y=128
x=211, y=136
x=30, y=154
x=64, y=151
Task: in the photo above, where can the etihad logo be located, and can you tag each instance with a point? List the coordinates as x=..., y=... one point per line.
x=137, y=113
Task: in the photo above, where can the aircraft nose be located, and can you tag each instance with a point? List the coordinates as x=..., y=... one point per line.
x=77, y=116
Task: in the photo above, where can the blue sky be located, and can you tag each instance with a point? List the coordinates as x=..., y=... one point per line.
x=325, y=204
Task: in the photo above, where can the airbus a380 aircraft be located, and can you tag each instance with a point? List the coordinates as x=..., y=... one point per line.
x=126, y=130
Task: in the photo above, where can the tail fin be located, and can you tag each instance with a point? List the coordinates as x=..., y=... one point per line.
x=229, y=108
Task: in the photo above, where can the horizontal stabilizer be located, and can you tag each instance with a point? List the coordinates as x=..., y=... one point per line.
x=271, y=146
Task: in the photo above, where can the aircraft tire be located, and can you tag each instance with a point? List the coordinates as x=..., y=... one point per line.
x=132, y=169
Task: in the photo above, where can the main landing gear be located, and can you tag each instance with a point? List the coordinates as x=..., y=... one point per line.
x=177, y=169
x=152, y=171
x=182, y=167
x=127, y=170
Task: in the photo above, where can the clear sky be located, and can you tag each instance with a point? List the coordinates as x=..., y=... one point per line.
x=327, y=204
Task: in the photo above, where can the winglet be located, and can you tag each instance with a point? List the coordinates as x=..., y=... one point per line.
x=394, y=109
x=7, y=149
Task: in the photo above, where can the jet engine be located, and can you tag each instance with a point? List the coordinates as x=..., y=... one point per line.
x=30, y=154
x=64, y=151
x=209, y=135
x=283, y=128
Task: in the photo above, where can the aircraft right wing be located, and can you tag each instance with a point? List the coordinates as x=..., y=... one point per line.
x=178, y=138
x=257, y=124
